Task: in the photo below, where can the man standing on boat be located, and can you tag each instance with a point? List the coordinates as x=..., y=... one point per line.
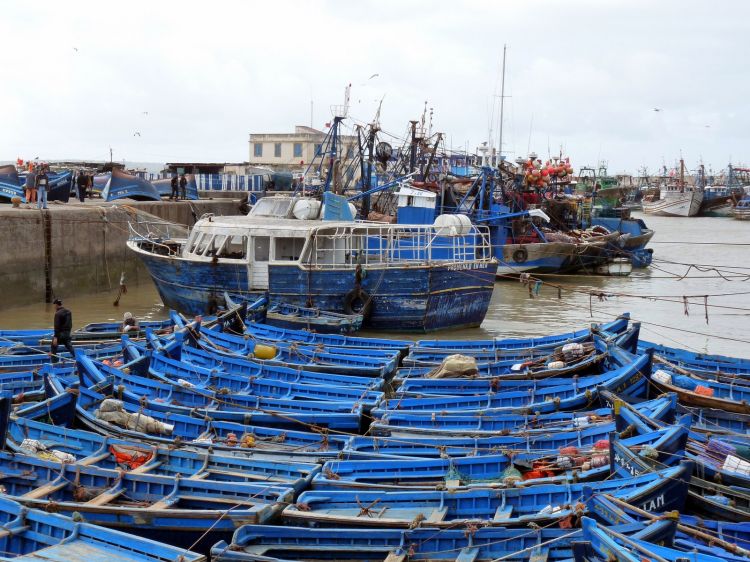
x=183, y=187
x=63, y=326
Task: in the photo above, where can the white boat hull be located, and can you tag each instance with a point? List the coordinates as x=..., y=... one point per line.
x=675, y=204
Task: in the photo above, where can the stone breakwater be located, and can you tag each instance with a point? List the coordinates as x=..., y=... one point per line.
x=74, y=249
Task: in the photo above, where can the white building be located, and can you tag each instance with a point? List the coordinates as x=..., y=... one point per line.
x=293, y=151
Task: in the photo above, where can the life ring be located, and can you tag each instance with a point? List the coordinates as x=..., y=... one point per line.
x=433, y=177
x=520, y=255
x=358, y=301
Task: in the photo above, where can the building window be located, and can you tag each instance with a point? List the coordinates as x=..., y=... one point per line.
x=277, y=150
x=258, y=149
x=298, y=150
x=317, y=149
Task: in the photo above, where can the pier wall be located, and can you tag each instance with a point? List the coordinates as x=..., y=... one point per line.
x=79, y=248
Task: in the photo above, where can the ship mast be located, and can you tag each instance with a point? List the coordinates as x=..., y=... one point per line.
x=502, y=107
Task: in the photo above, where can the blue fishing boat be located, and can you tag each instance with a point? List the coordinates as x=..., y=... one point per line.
x=122, y=185
x=45, y=427
x=575, y=365
x=629, y=378
x=285, y=315
x=690, y=359
x=167, y=395
x=179, y=510
x=10, y=185
x=704, y=393
x=400, y=277
x=485, y=544
x=727, y=540
x=600, y=543
x=443, y=446
x=540, y=504
x=396, y=423
x=33, y=534
x=273, y=333
x=728, y=503
x=481, y=348
x=367, y=363
x=163, y=368
x=243, y=367
x=495, y=470
x=176, y=429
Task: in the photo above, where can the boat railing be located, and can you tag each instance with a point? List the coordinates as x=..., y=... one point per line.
x=160, y=236
x=386, y=245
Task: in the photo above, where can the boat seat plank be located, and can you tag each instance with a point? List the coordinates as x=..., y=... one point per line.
x=146, y=467
x=395, y=557
x=503, y=513
x=539, y=555
x=88, y=461
x=43, y=491
x=437, y=515
x=106, y=497
x=468, y=554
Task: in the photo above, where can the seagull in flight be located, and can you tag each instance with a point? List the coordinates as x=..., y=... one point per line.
x=136, y=134
x=145, y=112
x=657, y=109
x=373, y=76
x=75, y=49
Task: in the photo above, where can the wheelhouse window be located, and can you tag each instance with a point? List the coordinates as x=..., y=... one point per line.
x=235, y=248
x=288, y=249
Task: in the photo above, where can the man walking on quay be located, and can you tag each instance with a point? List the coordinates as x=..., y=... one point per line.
x=63, y=327
x=183, y=187
x=175, y=194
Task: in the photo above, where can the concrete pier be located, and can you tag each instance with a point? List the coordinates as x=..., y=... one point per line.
x=79, y=248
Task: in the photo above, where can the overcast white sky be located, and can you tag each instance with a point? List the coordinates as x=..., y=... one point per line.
x=78, y=77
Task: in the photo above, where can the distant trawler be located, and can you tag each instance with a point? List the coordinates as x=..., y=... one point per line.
x=678, y=200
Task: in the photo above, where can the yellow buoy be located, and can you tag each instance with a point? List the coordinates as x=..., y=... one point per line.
x=263, y=351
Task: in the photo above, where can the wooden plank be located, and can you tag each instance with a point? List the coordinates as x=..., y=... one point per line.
x=503, y=513
x=437, y=515
x=43, y=491
x=539, y=555
x=394, y=557
x=468, y=554
x=106, y=497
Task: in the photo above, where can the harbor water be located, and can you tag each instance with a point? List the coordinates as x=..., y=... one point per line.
x=693, y=258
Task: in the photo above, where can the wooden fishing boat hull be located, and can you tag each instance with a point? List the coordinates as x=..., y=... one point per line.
x=418, y=298
x=675, y=204
x=691, y=398
x=665, y=490
x=31, y=534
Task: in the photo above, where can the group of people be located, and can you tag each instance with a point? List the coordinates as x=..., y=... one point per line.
x=182, y=184
x=63, y=328
x=85, y=183
x=37, y=185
